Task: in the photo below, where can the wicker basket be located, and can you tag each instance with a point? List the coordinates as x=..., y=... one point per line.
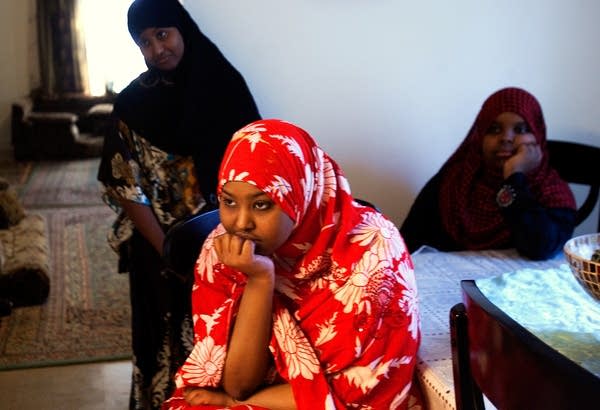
x=578, y=252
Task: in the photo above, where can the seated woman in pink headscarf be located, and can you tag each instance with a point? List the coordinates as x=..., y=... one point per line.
x=303, y=298
x=497, y=190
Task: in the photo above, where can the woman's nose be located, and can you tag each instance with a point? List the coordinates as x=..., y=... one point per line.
x=508, y=135
x=157, y=48
x=243, y=220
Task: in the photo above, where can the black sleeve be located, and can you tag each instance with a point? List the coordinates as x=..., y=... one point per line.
x=423, y=225
x=538, y=233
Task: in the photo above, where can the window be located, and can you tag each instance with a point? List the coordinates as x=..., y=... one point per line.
x=113, y=59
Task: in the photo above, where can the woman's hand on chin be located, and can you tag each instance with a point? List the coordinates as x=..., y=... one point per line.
x=239, y=253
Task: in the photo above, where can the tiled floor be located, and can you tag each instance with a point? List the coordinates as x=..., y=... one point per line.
x=95, y=386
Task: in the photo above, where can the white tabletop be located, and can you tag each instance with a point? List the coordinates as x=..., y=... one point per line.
x=438, y=277
x=552, y=305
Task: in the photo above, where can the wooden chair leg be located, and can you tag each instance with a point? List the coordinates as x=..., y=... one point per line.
x=467, y=394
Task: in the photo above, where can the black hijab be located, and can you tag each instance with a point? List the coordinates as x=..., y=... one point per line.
x=194, y=109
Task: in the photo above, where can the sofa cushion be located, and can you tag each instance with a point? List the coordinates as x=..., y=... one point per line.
x=11, y=210
x=25, y=276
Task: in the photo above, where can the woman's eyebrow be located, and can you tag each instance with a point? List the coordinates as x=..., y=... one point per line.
x=256, y=195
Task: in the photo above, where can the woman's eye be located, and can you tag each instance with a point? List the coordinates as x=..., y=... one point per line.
x=494, y=129
x=263, y=205
x=226, y=201
x=143, y=43
x=521, y=129
x=161, y=35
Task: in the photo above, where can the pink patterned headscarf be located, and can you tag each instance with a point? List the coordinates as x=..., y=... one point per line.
x=345, y=321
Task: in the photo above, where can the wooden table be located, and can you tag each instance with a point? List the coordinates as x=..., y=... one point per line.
x=438, y=276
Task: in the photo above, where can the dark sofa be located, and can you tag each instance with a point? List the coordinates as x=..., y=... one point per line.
x=59, y=128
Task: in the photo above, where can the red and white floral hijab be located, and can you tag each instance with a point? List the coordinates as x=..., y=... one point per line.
x=345, y=321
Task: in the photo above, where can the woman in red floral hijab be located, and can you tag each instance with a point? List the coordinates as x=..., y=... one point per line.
x=497, y=190
x=303, y=298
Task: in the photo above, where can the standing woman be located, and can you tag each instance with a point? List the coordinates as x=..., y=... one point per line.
x=174, y=122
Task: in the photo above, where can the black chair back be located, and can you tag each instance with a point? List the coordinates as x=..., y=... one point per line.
x=578, y=163
x=184, y=240
x=364, y=202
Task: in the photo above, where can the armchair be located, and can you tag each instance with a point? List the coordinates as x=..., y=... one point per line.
x=53, y=130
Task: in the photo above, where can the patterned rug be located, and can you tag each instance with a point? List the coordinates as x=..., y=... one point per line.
x=86, y=317
x=60, y=184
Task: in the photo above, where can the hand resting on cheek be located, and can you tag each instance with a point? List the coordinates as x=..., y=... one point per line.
x=527, y=157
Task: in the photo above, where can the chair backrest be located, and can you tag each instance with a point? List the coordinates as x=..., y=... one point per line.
x=364, y=202
x=494, y=355
x=578, y=164
x=184, y=240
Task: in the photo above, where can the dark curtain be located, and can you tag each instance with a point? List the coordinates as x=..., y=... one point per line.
x=61, y=49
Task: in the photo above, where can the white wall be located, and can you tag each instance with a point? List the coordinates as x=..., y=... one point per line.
x=17, y=55
x=389, y=88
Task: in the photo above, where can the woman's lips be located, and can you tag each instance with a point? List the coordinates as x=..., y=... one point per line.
x=163, y=60
x=249, y=238
x=504, y=154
